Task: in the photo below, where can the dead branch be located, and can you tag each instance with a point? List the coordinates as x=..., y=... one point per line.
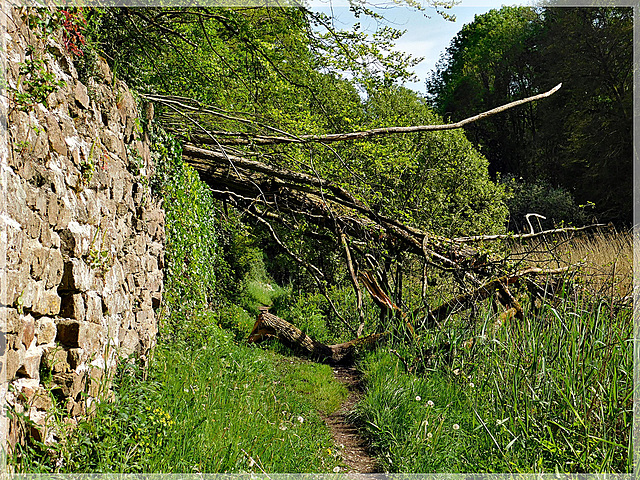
x=323, y=203
x=528, y=236
x=252, y=139
x=354, y=281
x=466, y=300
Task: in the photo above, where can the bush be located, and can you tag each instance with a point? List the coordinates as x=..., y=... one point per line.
x=554, y=203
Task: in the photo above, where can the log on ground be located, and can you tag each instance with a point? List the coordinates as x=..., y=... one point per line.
x=268, y=325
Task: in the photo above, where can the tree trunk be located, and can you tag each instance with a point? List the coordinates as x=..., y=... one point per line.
x=269, y=325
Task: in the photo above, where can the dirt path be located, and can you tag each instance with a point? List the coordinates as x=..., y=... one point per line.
x=354, y=453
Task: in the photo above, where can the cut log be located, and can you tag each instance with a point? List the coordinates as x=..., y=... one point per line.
x=268, y=325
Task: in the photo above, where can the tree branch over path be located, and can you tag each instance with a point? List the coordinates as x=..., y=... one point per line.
x=254, y=139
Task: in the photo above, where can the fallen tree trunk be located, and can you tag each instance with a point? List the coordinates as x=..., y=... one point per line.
x=268, y=325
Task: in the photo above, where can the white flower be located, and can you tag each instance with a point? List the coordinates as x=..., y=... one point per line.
x=456, y=426
x=336, y=469
x=456, y=371
x=282, y=427
x=429, y=435
x=471, y=384
x=300, y=419
x=418, y=398
x=430, y=403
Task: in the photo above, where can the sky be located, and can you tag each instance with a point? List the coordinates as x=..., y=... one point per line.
x=424, y=37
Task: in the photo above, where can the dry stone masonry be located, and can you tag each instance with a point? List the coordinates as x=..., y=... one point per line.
x=82, y=237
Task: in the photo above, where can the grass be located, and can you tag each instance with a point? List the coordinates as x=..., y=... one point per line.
x=220, y=408
x=551, y=393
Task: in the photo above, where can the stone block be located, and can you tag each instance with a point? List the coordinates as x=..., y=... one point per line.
x=31, y=223
x=28, y=330
x=93, y=304
x=130, y=343
x=117, y=302
x=72, y=306
x=45, y=330
x=17, y=282
x=81, y=334
x=30, y=367
x=48, y=237
x=76, y=239
x=47, y=265
x=68, y=384
x=47, y=302
x=77, y=356
x=15, y=240
x=114, y=278
x=14, y=360
x=58, y=212
x=28, y=296
x=81, y=96
x=117, y=190
x=55, y=135
x=56, y=359
x=12, y=319
x=77, y=276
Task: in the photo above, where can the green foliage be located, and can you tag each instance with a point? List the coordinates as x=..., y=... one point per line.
x=37, y=83
x=434, y=180
x=581, y=136
x=551, y=393
x=191, y=241
x=554, y=203
x=208, y=409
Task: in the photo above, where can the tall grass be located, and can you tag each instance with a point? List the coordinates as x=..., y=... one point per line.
x=552, y=392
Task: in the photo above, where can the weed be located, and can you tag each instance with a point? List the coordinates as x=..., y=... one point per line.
x=552, y=393
x=37, y=83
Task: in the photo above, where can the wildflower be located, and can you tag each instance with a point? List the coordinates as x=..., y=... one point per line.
x=456, y=371
x=471, y=384
x=456, y=426
x=300, y=419
x=418, y=398
x=430, y=403
x=336, y=470
x=282, y=427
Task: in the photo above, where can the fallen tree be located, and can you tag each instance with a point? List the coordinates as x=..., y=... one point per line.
x=274, y=195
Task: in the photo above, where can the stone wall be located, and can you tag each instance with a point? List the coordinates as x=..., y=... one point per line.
x=82, y=237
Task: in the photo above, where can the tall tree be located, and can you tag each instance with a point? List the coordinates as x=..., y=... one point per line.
x=581, y=139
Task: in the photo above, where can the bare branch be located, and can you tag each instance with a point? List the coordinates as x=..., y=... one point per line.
x=527, y=236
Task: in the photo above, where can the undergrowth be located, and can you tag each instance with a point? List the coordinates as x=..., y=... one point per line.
x=552, y=393
x=220, y=408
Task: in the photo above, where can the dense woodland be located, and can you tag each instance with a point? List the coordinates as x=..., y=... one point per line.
x=403, y=237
